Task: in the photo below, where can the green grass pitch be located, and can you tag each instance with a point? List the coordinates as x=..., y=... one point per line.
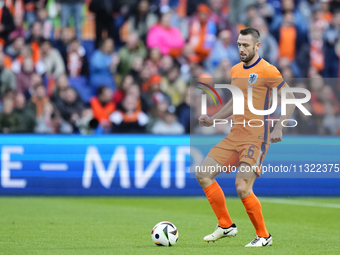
x=123, y=226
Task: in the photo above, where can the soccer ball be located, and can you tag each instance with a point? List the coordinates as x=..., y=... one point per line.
x=164, y=234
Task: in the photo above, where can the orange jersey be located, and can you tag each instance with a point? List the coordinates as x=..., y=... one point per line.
x=262, y=77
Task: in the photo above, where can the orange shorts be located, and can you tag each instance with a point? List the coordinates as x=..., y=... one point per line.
x=230, y=153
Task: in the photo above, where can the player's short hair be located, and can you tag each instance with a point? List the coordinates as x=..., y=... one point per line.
x=253, y=32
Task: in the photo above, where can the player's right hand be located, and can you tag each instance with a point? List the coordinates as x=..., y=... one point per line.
x=205, y=121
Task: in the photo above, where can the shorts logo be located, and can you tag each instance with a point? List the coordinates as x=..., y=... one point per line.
x=252, y=78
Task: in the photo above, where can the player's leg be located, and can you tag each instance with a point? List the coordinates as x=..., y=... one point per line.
x=209, y=169
x=245, y=179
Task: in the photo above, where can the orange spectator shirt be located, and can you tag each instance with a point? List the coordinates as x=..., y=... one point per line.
x=287, y=42
x=101, y=112
x=262, y=77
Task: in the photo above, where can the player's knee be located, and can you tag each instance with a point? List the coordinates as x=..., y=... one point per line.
x=203, y=180
x=242, y=188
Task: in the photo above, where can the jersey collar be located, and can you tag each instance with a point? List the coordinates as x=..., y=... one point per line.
x=257, y=61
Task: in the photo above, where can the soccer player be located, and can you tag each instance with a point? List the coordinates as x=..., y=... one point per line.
x=245, y=146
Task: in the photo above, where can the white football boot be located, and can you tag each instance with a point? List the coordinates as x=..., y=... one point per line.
x=221, y=233
x=261, y=241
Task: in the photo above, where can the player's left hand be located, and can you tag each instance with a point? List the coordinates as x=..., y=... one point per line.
x=276, y=135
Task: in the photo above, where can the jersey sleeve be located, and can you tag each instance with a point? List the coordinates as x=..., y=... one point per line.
x=232, y=72
x=274, y=78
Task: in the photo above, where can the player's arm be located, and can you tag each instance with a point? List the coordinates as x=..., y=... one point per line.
x=224, y=113
x=276, y=135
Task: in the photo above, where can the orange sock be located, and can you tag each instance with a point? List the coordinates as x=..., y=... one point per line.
x=216, y=199
x=254, y=210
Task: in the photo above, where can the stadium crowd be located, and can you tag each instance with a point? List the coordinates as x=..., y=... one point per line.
x=133, y=74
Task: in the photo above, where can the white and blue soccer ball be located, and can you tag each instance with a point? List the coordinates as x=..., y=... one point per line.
x=164, y=234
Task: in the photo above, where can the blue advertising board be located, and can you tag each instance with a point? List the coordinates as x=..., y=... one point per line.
x=141, y=165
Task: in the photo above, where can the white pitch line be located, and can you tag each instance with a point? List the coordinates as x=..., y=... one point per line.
x=298, y=202
x=53, y=167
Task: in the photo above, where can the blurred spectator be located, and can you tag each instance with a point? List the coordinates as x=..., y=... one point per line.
x=169, y=125
x=44, y=122
x=307, y=125
x=25, y=115
x=35, y=34
x=134, y=90
x=9, y=120
x=265, y=10
x=60, y=87
x=287, y=37
x=331, y=122
x=269, y=48
x=64, y=41
x=70, y=106
x=34, y=41
x=327, y=94
x=30, y=11
x=103, y=65
x=72, y=8
x=7, y=77
x=335, y=6
x=76, y=61
x=223, y=49
x=15, y=48
x=136, y=69
x=202, y=32
x=331, y=37
x=237, y=7
x=35, y=80
x=104, y=9
x=285, y=63
x=154, y=60
x=323, y=16
x=183, y=112
x=52, y=59
x=161, y=102
x=144, y=75
x=46, y=23
x=50, y=122
x=220, y=10
x=39, y=99
x=307, y=7
x=6, y=24
x=167, y=38
x=317, y=56
x=149, y=88
x=299, y=21
x=250, y=13
x=167, y=62
x=174, y=86
x=59, y=125
x=293, y=42
x=222, y=72
x=127, y=118
x=196, y=70
x=24, y=77
x=103, y=106
x=140, y=21
x=19, y=30
x=119, y=94
x=127, y=54
x=7, y=59
x=86, y=123
x=191, y=6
